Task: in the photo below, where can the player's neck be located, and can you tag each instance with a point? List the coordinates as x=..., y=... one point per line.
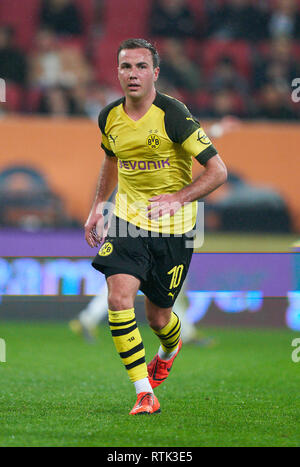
x=137, y=108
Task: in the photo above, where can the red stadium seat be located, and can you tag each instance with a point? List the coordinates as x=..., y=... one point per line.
x=126, y=19
x=202, y=100
x=192, y=48
x=105, y=61
x=213, y=50
x=22, y=15
x=197, y=8
x=14, y=97
x=32, y=100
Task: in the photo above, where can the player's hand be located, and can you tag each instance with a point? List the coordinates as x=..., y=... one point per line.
x=94, y=229
x=163, y=204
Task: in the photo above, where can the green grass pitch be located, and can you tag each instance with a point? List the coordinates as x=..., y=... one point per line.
x=57, y=390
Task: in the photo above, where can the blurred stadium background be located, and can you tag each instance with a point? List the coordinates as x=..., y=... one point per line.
x=223, y=58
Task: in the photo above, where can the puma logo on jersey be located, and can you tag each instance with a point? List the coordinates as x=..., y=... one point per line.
x=113, y=138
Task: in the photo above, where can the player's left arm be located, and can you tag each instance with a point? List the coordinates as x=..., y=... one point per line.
x=213, y=176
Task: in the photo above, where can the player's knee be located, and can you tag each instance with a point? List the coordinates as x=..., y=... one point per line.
x=157, y=322
x=119, y=301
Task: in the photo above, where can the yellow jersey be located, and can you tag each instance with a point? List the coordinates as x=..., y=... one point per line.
x=154, y=157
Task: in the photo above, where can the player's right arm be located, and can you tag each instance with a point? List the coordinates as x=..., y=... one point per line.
x=107, y=181
x=95, y=230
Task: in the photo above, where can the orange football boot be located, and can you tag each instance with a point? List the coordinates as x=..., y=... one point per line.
x=146, y=404
x=158, y=369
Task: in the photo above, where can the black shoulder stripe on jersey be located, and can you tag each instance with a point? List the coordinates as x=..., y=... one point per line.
x=107, y=151
x=105, y=111
x=207, y=154
x=179, y=122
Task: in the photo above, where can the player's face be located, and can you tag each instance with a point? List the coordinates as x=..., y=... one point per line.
x=136, y=73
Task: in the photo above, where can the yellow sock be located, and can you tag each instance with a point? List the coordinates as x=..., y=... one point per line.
x=169, y=335
x=128, y=342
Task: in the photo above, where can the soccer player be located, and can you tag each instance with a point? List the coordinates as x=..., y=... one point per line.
x=86, y=322
x=149, y=140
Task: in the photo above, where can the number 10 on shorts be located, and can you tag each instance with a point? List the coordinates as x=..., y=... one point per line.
x=176, y=276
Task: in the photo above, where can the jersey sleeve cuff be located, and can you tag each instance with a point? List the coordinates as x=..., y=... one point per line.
x=207, y=154
x=107, y=151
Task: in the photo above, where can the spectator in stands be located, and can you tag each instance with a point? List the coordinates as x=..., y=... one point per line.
x=13, y=65
x=277, y=66
x=61, y=16
x=51, y=64
x=226, y=76
x=236, y=19
x=91, y=98
x=284, y=19
x=223, y=103
x=45, y=63
x=172, y=18
x=58, y=102
x=177, y=69
x=275, y=104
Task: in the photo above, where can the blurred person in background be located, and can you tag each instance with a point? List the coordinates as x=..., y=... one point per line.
x=76, y=65
x=284, y=19
x=55, y=65
x=61, y=17
x=274, y=103
x=226, y=76
x=167, y=88
x=13, y=64
x=223, y=103
x=177, y=69
x=58, y=101
x=277, y=65
x=98, y=24
x=45, y=61
x=235, y=19
x=94, y=97
x=172, y=18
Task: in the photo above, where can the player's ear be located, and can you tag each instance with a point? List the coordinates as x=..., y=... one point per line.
x=156, y=73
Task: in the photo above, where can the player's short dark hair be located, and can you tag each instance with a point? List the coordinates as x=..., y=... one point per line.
x=140, y=44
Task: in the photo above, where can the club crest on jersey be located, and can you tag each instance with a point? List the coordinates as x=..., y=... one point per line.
x=153, y=141
x=106, y=249
x=202, y=138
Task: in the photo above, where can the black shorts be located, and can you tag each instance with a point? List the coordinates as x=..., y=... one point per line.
x=160, y=262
